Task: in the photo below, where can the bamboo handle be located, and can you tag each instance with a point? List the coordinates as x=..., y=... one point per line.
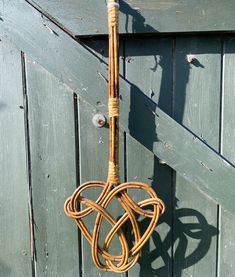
x=113, y=102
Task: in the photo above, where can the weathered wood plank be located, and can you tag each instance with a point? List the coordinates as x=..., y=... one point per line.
x=228, y=130
x=49, y=48
x=149, y=67
x=227, y=244
x=227, y=221
x=195, y=232
x=196, y=162
x=15, y=256
x=94, y=152
x=67, y=59
x=196, y=106
x=156, y=255
x=51, y=129
x=197, y=86
x=142, y=16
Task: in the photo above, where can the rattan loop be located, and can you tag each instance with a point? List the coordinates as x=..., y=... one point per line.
x=128, y=257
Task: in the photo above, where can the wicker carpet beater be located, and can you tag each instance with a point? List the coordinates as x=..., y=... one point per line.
x=113, y=188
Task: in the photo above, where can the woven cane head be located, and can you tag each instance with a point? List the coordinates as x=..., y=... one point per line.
x=128, y=257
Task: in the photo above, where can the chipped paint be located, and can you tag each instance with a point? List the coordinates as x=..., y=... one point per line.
x=103, y=77
x=50, y=30
x=205, y=165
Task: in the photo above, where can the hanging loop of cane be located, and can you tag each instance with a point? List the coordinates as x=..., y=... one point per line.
x=111, y=189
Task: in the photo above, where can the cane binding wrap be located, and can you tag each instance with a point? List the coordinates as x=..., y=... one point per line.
x=113, y=188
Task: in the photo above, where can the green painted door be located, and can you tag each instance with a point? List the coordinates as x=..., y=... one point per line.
x=177, y=64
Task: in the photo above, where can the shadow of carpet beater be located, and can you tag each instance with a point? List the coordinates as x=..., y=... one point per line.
x=113, y=188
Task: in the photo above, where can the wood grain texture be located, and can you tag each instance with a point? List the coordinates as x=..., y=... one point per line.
x=142, y=16
x=148, y=67
x=227, y=220
x=196, y=106
x=168, y=148
x=228, y=130
x=149, y=76
x=15, y=256
x=195, y=232
x=94, y=157
x=197, y=87
x=156, y=255
x=52, y=145
x=227, y=244
x=94, y=153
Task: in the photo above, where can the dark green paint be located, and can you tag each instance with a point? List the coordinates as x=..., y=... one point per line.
x=53, y=176
x=227, y=220
x=226, y=244
x=15, y=255
x=149, y=67
x=94, y=166
x=142, y=16
x=201, y=165
x=197, y=107
x=195, y=236
x=228, y=100
x=94, y=154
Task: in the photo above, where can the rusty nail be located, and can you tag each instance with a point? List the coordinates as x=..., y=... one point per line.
x=99, y=120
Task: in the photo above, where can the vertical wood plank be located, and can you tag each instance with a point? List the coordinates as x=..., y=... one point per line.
x=228, y=111
x=196, y=106
x=53, y=176
x=94, y=165
x=15, y=257
x=227, y=224
x=94, y=153
x=227, y=244
x=148, y=68
x=156, y=258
